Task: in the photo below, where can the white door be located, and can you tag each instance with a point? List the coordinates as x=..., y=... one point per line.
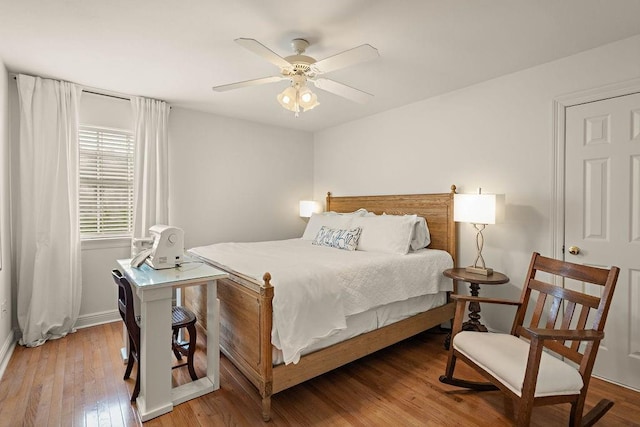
x=602, y=218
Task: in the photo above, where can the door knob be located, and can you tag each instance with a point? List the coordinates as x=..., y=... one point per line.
x=574, y=250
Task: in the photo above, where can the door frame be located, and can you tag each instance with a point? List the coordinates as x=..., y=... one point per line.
x=560, y=104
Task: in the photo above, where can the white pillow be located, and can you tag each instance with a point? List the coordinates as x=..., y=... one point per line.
x=385, y=233
x=421, y=237
x=318, y=220
x=359, y=212
x=338, y=238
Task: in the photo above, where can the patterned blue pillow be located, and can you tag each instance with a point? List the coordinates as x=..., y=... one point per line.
x=336, y=238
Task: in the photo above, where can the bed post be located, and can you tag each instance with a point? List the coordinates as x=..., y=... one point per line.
x=453, y=247
x=266, y=368
x=328, y=206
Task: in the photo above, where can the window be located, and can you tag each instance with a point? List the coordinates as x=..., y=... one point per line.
x=106, y=182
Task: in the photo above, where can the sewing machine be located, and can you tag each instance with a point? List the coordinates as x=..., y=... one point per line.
x=166, y=247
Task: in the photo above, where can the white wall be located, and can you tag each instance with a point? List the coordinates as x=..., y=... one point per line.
x=497, y=135
x=233, y=180
x=6, y=324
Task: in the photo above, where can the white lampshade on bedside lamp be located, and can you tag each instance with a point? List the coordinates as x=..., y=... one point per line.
x=309, y=207
x=478, y=210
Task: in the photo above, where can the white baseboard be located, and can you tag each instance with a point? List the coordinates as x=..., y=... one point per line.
x=95, y=319
x=616, y=383
x=6, y=351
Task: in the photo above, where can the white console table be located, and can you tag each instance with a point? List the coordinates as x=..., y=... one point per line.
x=154, y=288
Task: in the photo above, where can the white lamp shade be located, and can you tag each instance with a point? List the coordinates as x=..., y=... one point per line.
x=309, y=207
x=478, y=208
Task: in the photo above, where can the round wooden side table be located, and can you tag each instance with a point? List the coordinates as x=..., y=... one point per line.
x=474, y=280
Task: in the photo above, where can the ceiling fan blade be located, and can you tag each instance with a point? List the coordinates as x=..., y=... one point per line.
x=344, y=59
x=246, y=83
x=261, y=50
x=342, y=90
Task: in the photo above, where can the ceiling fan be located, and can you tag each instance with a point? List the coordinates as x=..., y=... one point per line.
x=300, y=69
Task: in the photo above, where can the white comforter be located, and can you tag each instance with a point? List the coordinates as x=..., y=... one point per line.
x=316, y=287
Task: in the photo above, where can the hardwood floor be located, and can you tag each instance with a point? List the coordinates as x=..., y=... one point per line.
x=77, y=381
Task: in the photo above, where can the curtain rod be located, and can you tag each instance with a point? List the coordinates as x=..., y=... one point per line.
x=93, y=91
x=89, y=90
x=106, y=94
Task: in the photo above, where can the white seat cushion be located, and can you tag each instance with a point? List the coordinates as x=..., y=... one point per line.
x=505, y=357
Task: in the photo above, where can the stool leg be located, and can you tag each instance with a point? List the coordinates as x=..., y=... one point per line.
x=192, y=349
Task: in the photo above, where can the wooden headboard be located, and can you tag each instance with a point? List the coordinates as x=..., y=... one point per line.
x=437, y=209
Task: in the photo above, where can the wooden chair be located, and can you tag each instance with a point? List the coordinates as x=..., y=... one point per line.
x=181, y=318
x=520, y=368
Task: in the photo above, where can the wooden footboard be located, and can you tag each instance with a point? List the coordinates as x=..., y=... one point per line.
x=250, y=350
x=246, y=311
x=244, y=305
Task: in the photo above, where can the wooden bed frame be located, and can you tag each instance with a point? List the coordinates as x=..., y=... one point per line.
x=246, y=309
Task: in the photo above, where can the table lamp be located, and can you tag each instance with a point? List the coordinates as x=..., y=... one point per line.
x=479, y=210
x=309, y=207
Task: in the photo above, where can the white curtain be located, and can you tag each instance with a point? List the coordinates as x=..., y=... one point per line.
x=47, y=229
x=151, y=181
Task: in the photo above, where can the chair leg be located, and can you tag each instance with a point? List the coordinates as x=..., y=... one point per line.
x=175, y=345
x=509, y=407
x=524, y=413
x=192, y=349
x=451, y=364
x=127, y=371
x=136, y=388
x=575, y=417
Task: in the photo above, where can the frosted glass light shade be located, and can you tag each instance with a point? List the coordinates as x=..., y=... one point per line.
x=288, y=98
x=309, y=207
x=478, y=208
x=296, y=96
x=308, y=99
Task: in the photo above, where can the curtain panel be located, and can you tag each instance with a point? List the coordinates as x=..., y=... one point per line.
x=48, y=256
x=151, y=180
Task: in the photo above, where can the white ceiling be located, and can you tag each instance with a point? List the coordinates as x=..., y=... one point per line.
x=176, y=50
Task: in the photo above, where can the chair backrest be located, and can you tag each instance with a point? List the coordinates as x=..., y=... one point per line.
x=552, y=298
x=126, y=305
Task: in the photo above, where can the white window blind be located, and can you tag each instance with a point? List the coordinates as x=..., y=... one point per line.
x=106, y=182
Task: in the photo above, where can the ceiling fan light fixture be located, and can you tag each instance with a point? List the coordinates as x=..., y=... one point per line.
x=287, y=98
x=308, y=100
x=297, y=96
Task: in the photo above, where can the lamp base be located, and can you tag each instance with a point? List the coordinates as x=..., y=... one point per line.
x=479, y=270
